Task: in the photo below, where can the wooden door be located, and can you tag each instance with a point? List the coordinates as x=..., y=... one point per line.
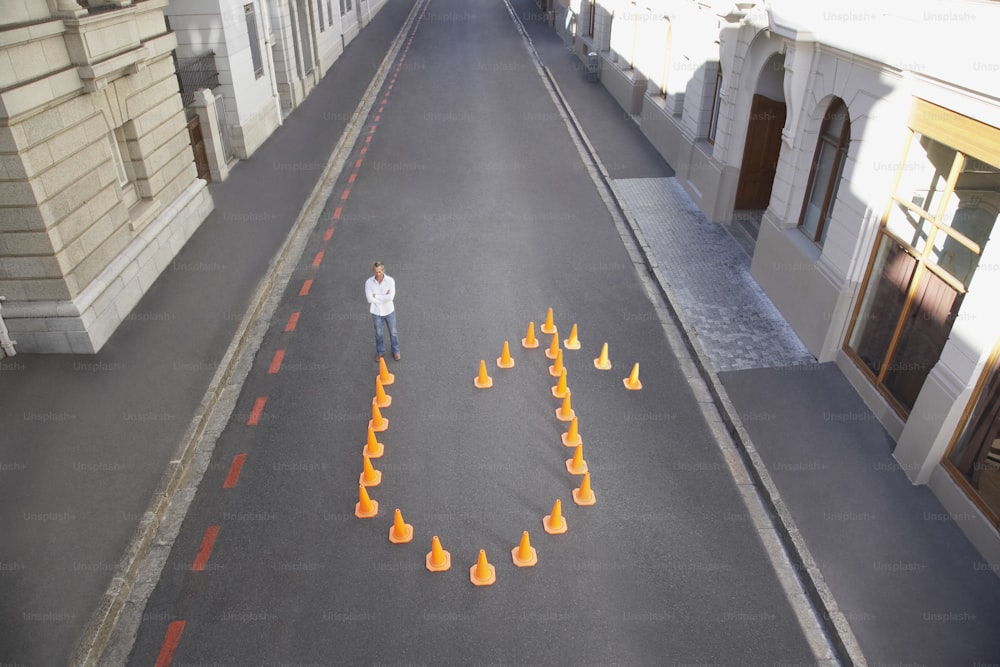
x=198, y=146
x=760, y=153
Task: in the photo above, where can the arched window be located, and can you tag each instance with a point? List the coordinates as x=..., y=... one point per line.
x=824, y=176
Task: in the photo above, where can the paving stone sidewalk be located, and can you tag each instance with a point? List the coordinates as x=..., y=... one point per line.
x=710, y=277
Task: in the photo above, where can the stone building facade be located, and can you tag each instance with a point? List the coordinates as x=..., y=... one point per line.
x=857, y=148
x=97, y=180
x=99, y=184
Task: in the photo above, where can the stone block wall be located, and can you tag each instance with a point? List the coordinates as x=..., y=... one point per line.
x=93, y=149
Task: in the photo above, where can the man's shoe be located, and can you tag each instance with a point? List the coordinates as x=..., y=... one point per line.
x=396, y=356
x=378, y=358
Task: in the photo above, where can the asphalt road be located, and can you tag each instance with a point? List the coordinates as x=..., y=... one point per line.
x=467, y=185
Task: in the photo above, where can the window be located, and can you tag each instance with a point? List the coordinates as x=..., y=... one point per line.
x=713, y=116
x=591, y=17
x=927, y=250
x=303, y=37
x=329, y=13
x=251, y=17
x=123, y=165
x=974, y=458
x=319, y=15
x=824, y=175
x=345, y=6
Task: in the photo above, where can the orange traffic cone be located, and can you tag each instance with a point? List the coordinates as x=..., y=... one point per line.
x=556, y=369
x=576, y=465
x=370, y=476
x=365, y=508
x=571, y=438
x=553, y=348
x=382, y=399
x=400, y=533
x=483, y=381
x=572, y=343
x=524, y=554
x=438, y=560
x=565, y=412
x=559, y=391
x=482, y=573
x=377, y=422
x=529, y=341
x=505, y=360
x=584, y=495
x=555, y=524
x=632, y=381
x=602, y=363
x=373, y=448
x=549, y=327
x=384, y=374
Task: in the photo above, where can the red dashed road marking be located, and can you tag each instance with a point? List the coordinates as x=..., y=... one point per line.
x=276, y=362
x=293, y=320
x=328, y=235
x=205, y=552
x=357, y=165
x=337, y=211
x=257, y=411
x=234, y=471
x=318, y=259
x=347, y=191
x=306, y=286
x=353, y=177
x=174, y=631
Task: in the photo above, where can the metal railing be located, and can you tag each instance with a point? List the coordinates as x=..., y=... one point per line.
x=196, y=73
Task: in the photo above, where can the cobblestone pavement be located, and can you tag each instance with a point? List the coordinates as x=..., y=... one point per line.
x=709, y=276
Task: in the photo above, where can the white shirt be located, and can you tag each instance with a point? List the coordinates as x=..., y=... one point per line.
x=380, y=295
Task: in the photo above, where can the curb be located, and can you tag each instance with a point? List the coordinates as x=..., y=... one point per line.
x=833, y=622
x=159, y=524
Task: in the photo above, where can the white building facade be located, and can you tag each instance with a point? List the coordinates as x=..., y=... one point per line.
x=268, y=54
x=859, y=144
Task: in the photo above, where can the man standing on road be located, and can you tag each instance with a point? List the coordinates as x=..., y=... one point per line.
x=380, y=290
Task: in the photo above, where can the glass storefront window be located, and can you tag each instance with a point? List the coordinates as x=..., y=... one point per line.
x=975, y=455
x=935, y=228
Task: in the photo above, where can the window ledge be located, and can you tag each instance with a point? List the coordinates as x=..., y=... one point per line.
x=142, y=213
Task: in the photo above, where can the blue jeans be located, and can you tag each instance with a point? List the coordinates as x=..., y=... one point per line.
x=390, y=322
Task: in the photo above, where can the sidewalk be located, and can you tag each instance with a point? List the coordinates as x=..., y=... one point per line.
x=89, y=442
x=881, y=558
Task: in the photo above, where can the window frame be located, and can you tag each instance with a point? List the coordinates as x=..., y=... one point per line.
x=840, y=149
x=986, y=378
